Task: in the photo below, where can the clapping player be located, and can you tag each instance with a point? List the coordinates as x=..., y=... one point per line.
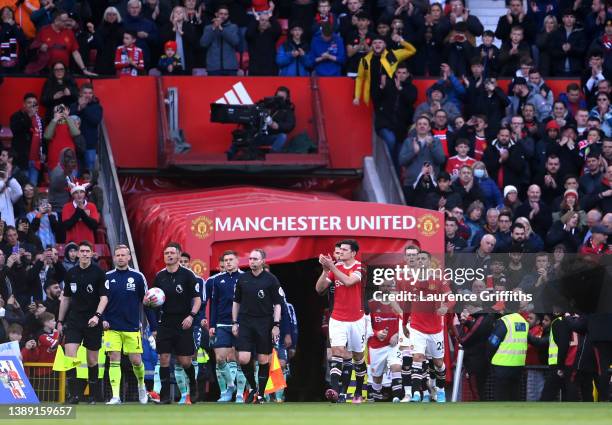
x=347, y=325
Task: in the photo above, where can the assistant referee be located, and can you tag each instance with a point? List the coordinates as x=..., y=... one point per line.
x=79, y=319
x=174, y=334
x=256, y=313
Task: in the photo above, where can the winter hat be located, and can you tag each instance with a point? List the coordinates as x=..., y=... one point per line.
x=170, y=45
x=552, y=124
x=570, y=192
x=509, y=189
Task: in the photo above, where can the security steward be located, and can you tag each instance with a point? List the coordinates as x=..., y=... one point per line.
x=174, y=333
x=256, y=314
x=79, y=319
x=507, y=348
x=558, y=346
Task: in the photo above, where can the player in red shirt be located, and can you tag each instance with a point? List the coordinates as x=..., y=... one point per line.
x=347, y=327
x=426, y=331
x=411, y=255
x=383, y=348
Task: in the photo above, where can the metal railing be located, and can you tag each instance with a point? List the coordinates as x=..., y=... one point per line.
x=117, y=225
x=390, y=184
x=49, y=386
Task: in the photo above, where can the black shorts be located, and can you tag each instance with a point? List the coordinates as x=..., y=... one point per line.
x=255, y=335
x=76, y=332
x=173, y=339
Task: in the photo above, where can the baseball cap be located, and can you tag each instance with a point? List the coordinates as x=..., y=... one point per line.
x=600, y=229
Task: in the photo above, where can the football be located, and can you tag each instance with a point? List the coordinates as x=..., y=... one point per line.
x=154, y=297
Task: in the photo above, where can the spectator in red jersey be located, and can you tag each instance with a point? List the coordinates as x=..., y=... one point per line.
x=475, y=131
x=27, y=128
x=442, y=131
x=56, y=43
x=80, y=218
x=129, y=59
x=456, y=162
x=60, y=134
x=42, y=349
x=597, y=244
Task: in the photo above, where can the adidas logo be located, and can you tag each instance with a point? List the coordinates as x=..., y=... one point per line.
x=237, y=95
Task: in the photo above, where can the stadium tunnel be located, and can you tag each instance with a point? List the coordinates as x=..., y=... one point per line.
x=293, y=228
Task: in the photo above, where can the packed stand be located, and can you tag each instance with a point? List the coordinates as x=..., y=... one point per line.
x=49, y=202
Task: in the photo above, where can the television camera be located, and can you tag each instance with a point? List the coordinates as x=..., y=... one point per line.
x=253, y=121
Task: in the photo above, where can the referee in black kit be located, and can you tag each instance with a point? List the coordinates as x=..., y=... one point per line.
x=174, y=334
x=79, y=319
x=256, y=316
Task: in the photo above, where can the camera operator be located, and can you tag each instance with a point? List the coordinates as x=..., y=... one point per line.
x=279, y=122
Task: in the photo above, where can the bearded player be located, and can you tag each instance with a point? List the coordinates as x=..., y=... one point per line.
x=347, y=327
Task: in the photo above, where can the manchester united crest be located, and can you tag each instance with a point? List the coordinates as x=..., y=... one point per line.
x=428, y=225
x=201, y=227
x=199, y=267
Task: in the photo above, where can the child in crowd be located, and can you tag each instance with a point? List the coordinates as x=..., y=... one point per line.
x=170, y=62
x=489, y=53
x=454, y=163
x=129, y=59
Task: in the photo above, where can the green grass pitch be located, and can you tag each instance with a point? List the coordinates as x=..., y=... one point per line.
x=324, y=413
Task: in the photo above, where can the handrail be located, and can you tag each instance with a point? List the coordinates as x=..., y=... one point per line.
x=318, y=117
x=165, y=149
x=114, y=200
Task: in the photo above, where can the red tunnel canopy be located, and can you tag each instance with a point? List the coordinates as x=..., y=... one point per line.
x=290, y=226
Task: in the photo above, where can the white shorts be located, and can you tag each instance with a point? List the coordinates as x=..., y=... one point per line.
x=427, y=344
x=381, y=359
x=348, y=334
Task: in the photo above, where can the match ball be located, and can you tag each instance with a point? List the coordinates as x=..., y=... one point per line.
x=154, y=297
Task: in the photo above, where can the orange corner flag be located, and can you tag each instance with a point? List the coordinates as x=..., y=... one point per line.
x=276, y=379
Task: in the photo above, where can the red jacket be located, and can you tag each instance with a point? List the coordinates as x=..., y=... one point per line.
x=80, y=226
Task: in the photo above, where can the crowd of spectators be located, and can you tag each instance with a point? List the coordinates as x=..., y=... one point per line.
x=329, y=37
x=49, y=201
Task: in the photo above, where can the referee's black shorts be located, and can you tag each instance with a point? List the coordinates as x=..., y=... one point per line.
x=76, y=331
x=255, y=335
x=172, y=338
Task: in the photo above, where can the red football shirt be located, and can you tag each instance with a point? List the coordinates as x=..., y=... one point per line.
x=348, y=301
x=60, y=44
x=383, y=317
x=424, y=317
x=454, y=164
